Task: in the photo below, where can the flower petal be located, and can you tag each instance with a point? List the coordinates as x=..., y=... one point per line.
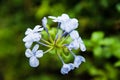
x=36, y=37
x=27, y=38
x=28, y=31
x=82, y=46
x=64, y=17
x=74, y=34
x=28, y=44
x=74, y=23
x=33, y=61
x=78, y=60
x=71, y=65
x=74, y=45
x=35, y=48
x=61, y=18
x=37, y=28
x=55, y=19
x=65, y=69
x=44, y=21
x=52, y=17
x=28, y=53
x=39, y=53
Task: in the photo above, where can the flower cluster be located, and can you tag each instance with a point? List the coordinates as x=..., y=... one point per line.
x=64, y=31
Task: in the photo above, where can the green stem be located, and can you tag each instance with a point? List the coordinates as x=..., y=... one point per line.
x=64, y=39
x=50, y=38
x=48, y=50
x=46, y=41
x=43, y=44
x=60, y=58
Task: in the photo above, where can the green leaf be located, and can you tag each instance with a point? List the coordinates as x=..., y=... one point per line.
x=97, y=36
x=43, y=9
x=97, y=51
x=104, y=3
x=117, y=64
x=118, y=7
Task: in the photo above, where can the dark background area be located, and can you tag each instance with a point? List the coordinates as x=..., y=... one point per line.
x=99, y=27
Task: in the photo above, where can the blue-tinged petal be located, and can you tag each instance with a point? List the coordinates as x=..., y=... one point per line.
x=74, y=23
x=82, y=46
x=35, y=48
x=28, y=44
x=69, y=25
x=75, y=44
x=37, y=28
x=39, y=53
x=78, y=60
x=52, y=17
x=74, y=34
x=28, y=31
x=63, y=25
x=27, y=38
x=36, y=37
x=65, y=69
x=71, y=65
x=44, y=22
x=33, y=61
x=64, y=17
x=55, y=19
x=28, y=53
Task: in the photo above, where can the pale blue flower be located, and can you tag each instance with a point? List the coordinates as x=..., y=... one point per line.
x=74, y=45
x=44, y=22
x=69, y=25
x=33, y=55
x=64, y=33
x=32, y=36
x=74, y=34
x=78, y=60
x=77, y=41
x=33, y=61
x=66, y=68
x=35, y=30
x=62, y=18
x=66, y=23
x=81, y=44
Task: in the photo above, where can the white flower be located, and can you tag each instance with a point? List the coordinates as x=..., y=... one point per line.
x=74, y=34
x=81, y=44
x=33, y=55
x=66, y=68
x=78, y=60
x=32, y=36
x=65, y=32
x=33, y=61
x=77, y=41
x=35, y=30
x=66, y=23
x=44, y=22
x=62, y=18
x=73, y=45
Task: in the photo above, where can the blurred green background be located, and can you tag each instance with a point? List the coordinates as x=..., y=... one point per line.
x=99, y=27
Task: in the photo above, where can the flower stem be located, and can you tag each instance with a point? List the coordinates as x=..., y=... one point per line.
x=64, y=39
x=60, y=58
x=72, y=53
x=56, y=37
x=46, y=41
x=43, y=44
x=50, y=38
x=48, y=50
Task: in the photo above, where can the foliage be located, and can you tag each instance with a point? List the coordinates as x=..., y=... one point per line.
x=99, y=27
